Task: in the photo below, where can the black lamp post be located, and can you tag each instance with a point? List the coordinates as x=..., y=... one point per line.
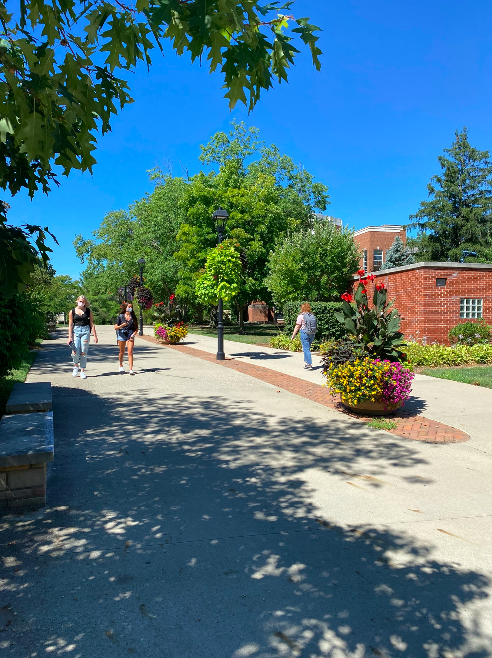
x=141, y=262
x=220, y=218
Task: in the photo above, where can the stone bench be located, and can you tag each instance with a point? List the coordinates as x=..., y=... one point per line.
x=26, y=446
x=26, y=398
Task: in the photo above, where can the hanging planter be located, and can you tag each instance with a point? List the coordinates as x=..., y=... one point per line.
x=144, y=297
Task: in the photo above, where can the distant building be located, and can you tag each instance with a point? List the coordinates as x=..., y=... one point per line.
x=328, y=218
x=374, y=241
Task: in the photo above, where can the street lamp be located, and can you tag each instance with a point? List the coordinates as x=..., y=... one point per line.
x=220, y=217
x=141, y=262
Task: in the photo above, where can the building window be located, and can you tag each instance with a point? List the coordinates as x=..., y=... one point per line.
x=470, y=308
x=441, y=283
x=364, y=260
x=377, y=259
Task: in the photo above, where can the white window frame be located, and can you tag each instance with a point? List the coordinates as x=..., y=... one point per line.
x=364, y=260
x=374, y=262
x=471, y=309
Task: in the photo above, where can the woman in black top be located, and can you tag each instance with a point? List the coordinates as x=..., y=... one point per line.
x=126, y=327
x=80, y=324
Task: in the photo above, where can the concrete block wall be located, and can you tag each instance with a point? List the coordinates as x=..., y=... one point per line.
x=22, y=486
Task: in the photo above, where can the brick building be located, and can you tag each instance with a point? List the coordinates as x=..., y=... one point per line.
x=374, y=241
x=433, y=297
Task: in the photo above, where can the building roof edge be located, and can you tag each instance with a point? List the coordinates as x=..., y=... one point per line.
x=435, y=266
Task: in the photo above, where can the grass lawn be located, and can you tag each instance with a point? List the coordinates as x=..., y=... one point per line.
x=478, y=375
x=254, y=334
x=19, y=375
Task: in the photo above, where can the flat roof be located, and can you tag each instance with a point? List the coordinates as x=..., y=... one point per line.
x=485, y=267
x=385, y=228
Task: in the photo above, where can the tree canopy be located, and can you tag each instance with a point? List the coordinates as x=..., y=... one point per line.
x=60, y=62
x=458, y=218
x=266, y=196
x=146, y=230
x=313, y=264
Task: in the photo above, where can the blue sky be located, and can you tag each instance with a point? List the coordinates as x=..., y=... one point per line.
x=397, y=80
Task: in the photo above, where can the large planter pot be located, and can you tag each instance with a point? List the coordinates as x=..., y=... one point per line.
x=164, y=341
x=371, y=408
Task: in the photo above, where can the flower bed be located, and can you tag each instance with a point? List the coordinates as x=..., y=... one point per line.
x=436, y=355
x=170, y=334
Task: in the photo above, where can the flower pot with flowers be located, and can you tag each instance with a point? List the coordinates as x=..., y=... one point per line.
x=368, y=370
x=170, y=335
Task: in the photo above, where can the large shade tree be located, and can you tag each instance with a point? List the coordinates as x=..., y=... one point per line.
x=146, y=230
x=266, y=196
x=456, y=223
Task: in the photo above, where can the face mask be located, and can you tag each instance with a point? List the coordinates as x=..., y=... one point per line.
x=80, y=304
x=129, y=309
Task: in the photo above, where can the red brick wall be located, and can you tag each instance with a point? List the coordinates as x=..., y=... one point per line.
x=428, y=312
x=377, y=240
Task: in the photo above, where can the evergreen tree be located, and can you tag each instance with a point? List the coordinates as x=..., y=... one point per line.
x=458, y=218
x=397, y=255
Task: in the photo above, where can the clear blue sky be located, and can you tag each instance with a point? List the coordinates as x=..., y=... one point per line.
x=397, y=80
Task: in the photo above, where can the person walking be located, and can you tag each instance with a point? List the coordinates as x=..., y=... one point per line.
x=306, y=324
x=126, y=328
x=80, y=325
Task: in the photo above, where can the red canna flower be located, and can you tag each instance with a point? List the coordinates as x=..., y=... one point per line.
x=370, y=277
x=347, y=297
x=361, y=272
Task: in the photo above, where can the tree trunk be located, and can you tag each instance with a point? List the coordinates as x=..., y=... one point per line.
x=240, y=308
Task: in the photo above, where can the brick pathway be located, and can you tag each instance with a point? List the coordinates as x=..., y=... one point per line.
x=409, y=426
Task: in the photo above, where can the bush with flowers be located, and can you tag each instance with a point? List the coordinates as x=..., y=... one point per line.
x=368, y=367
x=376, y=329
x=171, y=333
x=371, y=380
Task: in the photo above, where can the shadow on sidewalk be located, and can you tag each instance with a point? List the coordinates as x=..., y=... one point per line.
x=185, y=527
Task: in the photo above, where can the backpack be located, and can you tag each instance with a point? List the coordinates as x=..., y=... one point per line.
x=311, y=322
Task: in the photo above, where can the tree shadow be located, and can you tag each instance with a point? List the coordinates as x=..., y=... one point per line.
x=185, y=527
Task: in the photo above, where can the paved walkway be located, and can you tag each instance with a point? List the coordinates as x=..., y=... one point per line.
x=197, y=512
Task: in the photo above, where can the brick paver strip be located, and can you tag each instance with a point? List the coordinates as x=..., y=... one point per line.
x=409, y=426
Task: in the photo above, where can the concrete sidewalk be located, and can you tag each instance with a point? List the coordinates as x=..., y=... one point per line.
x=469, y=408
x=195, y=512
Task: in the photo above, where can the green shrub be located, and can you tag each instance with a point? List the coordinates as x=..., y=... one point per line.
x=340, y=352
x=21, y=324
x=470, y=333
x=436, y=355
x=283, y=342
x=328, y=325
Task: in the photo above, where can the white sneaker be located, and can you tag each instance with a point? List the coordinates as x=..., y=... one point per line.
x=122, y=369
x=83, y=375
x=75, y=372
x=131, y=372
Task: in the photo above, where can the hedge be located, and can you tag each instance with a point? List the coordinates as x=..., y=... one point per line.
x=328, y=325
x=436, y=355
x=21, y=324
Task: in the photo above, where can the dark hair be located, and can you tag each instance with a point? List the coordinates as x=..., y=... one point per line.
x=123, y=308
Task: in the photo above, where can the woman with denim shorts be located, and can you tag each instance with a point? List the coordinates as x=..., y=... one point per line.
x=80, y=324
x=306, y=320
